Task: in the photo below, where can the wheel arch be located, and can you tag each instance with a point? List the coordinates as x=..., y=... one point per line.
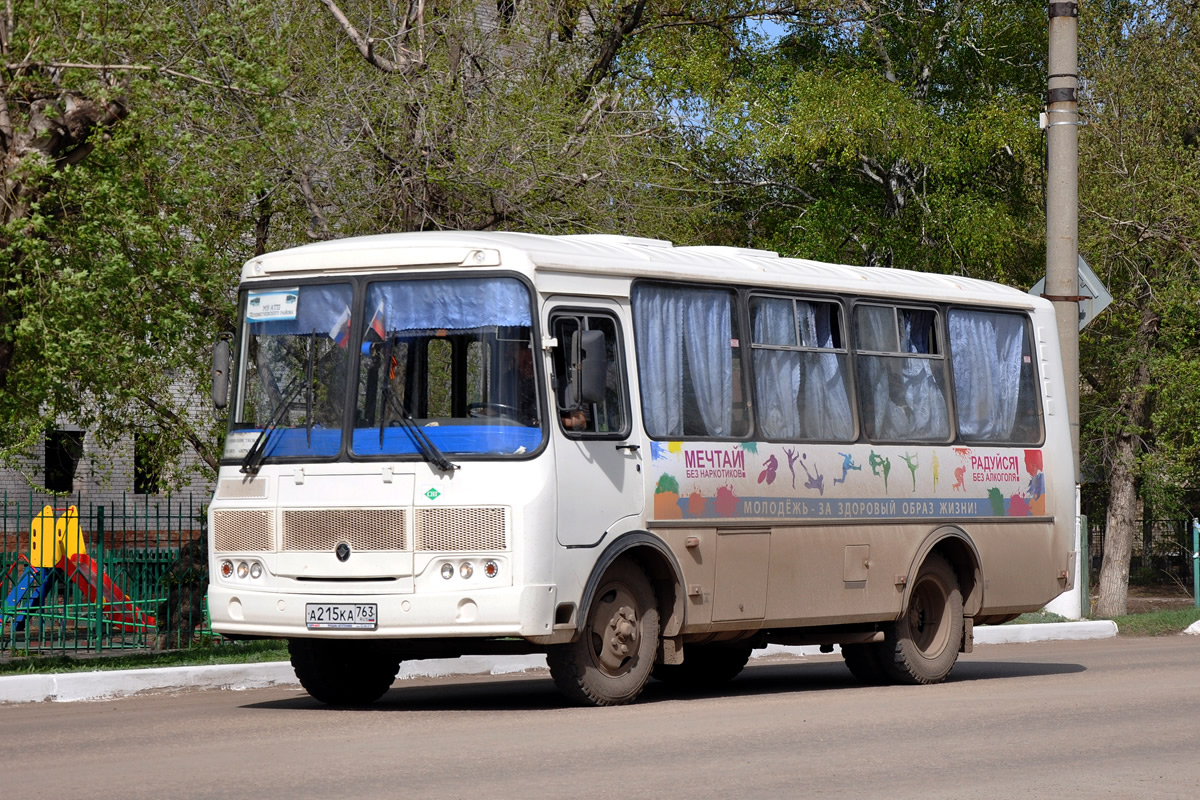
x=956, y=546
x=653, y=556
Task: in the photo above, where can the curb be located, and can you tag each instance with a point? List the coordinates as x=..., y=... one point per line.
x=70, y=687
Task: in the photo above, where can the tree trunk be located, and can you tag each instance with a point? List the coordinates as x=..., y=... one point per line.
x=1122, y=482
x=1118, y=531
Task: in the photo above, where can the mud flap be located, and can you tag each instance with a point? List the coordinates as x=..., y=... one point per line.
x=670, y=650
x=968, y=638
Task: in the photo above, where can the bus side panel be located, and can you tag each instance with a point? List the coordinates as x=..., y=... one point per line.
x=1015, y=585
x=796, y=576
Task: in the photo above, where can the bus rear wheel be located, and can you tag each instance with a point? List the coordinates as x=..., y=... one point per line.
x=863, y=661
x=343, y=673
x=704, y=666
x=612, y=659
x=922, y=645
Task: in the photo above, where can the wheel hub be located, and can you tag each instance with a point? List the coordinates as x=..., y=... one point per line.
x=620, y=637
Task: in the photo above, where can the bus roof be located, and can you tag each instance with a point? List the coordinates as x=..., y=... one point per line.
x=622, y=257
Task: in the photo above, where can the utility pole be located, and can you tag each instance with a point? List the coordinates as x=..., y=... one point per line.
x=1062, y=199
x=1062, y=245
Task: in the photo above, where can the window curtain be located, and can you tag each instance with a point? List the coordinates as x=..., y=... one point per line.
x=670, y=322
x=985, y=358
x=924, y=390
x=776, y=372
x=825, y=404
x=708, y=326
x=874, y=331
x=453, y=305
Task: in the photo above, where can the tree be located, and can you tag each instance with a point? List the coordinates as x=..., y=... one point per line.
x=1140, y=230
x=456, y=115
x=885, y=133
x=150, y=150
x=101, y=281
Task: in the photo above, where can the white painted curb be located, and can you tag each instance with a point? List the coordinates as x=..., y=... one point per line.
x=1046, y=632
x=100, y=685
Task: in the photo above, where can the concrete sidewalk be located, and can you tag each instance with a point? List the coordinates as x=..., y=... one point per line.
x=105, y=684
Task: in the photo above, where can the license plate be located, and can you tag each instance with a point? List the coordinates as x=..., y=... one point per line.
x=319, y=616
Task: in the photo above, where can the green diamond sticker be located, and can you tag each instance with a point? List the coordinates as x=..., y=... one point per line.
x=433, y=494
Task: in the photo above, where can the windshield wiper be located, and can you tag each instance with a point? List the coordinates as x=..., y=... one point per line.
x=258, y=451
x=429, y=451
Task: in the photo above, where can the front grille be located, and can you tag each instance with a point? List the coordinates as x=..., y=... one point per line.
x=456, y=529
x=361, y=528
x=240, y=531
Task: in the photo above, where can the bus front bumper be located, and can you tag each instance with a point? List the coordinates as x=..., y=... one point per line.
x=526, y=611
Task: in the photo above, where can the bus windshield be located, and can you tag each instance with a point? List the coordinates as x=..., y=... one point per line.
x=444, y=367
x=455, y=356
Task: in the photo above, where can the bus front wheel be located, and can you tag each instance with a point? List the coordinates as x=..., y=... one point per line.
x=343, y=673
x=612, y=659
x=922, y=645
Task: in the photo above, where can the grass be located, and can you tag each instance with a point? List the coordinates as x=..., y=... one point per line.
x=200, y=655
x=1156, y=623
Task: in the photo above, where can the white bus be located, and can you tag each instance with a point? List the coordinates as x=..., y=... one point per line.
x=637, y=458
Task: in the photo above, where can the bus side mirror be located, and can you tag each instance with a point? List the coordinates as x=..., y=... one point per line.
x=589, y=368
x=220, y=373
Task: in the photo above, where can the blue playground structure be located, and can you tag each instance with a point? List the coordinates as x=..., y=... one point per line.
x=29, y=592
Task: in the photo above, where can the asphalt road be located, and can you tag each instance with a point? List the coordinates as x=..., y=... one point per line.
x=1097, y=719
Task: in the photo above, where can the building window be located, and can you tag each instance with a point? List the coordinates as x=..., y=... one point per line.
x=63, y=451
x=147, y=470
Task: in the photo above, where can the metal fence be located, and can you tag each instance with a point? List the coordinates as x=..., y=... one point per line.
x=1161, y=555
x=84, y=577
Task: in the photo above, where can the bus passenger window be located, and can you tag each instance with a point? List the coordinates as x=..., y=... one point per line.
x=689, y=357
x=995, y=388
x=901, y=374
x=801, y=375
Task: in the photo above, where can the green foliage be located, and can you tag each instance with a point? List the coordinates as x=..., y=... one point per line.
x=240, y=126
x=1140, y=231
x=884, y=133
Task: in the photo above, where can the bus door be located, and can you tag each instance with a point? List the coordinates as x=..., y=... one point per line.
x=598, y=454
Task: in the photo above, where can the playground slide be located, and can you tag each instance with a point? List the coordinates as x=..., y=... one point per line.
x=116, y=608
x=29, y=592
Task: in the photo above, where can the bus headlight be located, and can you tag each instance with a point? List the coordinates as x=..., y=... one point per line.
x=447, y=570
x=256, y=570
x=466, y=570
x=491, y=569
x=243, y=569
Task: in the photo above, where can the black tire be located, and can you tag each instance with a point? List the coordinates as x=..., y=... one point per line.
x=922, y=646
x=863, y=661
x=704, y=666
x=612, y=659
x=343, y=673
